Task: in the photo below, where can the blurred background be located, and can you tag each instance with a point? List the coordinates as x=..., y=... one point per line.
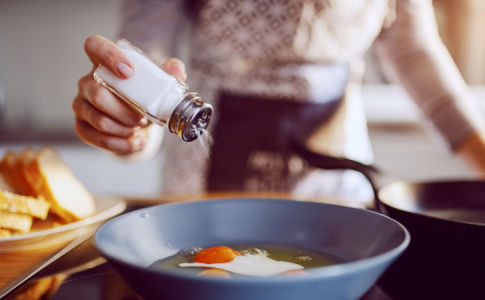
x=42, y=58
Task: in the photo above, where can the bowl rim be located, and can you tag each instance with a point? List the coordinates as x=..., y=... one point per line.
x=316, y=274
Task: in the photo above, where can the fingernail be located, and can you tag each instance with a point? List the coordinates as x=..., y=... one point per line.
x=125, y=70
x=175, y=69
x=143, y=122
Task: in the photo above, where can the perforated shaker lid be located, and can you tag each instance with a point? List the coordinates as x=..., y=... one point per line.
x=191, y=118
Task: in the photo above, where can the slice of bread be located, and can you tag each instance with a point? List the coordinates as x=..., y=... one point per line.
x=11, y=167
x=52, y=221
x=36, y=207
x=50, y=177
x=15, y=221
x=4, y=185
x=5, y=233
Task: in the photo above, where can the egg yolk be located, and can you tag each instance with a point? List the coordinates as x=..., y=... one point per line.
x=216, y=255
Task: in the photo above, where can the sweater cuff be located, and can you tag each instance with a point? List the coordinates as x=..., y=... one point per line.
x=454, y=121
x=154, y=140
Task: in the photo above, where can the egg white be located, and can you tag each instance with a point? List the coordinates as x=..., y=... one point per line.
x=252, y=265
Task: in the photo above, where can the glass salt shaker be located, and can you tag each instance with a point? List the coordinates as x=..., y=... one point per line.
x=160, y=96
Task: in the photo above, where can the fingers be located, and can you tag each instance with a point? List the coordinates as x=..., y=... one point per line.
x=99, y=120
x=105, y=101
x=102, y=51
x=102, y=119
x=90, y=135
x=176, y=67
x=105, y=121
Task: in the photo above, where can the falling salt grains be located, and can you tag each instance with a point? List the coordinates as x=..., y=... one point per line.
x=205, y=139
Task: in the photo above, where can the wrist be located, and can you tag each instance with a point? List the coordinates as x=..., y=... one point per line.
x=472, y=152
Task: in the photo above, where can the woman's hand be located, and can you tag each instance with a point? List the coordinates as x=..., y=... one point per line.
x=102, y=119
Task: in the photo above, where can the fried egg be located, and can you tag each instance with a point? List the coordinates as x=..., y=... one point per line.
x=250, y=264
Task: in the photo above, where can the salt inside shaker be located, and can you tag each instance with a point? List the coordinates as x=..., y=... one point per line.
x=160, y=96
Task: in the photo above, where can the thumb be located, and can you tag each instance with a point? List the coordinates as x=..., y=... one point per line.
x=176, y=67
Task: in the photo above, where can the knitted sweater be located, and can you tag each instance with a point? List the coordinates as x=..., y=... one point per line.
x=305, y=51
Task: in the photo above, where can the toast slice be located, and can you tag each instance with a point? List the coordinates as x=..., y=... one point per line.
x=47, y=173
x=36, y=207
x=5, y=233
x=4, y=185
x=52, y=221
x=15, y=221
x=11, y=167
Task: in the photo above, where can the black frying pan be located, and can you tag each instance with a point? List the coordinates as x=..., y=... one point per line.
x=446, y=220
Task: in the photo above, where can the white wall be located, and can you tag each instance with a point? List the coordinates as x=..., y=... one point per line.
x=42, y=57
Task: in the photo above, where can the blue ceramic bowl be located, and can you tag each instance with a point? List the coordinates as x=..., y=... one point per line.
x=368, y=241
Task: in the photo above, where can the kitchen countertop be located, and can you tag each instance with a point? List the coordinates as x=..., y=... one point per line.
x=390, y=104
x=100, y=281
x=20, y=136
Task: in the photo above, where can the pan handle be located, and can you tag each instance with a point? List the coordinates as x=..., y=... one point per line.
x=375, y=177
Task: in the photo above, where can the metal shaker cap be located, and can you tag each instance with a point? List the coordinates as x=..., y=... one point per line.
x=191, y=117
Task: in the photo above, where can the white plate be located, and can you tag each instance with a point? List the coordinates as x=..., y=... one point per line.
x=106, y=207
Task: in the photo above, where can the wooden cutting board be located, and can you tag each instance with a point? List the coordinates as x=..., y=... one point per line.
x=13, y=265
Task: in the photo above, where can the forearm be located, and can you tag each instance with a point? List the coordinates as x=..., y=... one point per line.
x=414, y=51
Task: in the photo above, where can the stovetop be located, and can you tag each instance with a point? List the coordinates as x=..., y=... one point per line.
x=104, y=283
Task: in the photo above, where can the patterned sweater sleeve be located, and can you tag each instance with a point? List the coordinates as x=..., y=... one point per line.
x=153, y=25
x=413, y=51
